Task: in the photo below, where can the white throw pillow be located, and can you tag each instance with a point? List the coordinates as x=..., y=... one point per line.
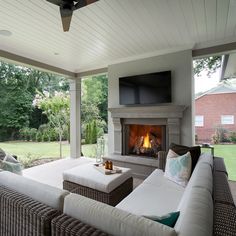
x=178, y=168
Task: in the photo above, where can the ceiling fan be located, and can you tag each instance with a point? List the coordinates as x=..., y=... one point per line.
x=67, y=7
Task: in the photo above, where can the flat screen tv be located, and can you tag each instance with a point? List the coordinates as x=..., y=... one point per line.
x=151, y=88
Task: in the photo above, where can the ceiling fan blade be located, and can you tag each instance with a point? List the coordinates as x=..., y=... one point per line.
x=83, y=3
x=56, y=2
x=66, y=16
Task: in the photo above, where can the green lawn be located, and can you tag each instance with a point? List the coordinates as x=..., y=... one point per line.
x=228, y=152
x=28, y=151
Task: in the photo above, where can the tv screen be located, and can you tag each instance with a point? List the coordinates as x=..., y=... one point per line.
x=151, y=88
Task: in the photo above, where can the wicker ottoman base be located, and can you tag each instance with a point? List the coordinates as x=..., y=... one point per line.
x=112, y=198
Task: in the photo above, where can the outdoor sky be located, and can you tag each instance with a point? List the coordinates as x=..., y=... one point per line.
x=204, y=82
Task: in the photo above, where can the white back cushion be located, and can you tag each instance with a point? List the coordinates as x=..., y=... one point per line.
x=51, y=196
x=112, y=220
x=206, y=158
x=196, y=219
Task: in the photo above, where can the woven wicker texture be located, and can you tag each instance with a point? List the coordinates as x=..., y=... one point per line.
x=65, y=225
x=162, y=160
x=112, y=198
x=221, y=190
x=219, y=165
x=23, y=216
x=224, y=220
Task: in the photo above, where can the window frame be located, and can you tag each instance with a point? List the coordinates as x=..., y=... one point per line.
x=229, y=119
x=200, y=122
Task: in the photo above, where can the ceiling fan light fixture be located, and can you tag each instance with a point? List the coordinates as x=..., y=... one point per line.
x=67, y=7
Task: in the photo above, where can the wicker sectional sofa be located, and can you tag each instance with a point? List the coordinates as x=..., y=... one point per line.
x=31, y=208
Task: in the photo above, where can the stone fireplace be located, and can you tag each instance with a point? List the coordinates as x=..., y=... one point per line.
x=140, y=132
x=168, y=118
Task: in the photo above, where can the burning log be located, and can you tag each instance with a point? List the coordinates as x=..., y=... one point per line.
x=138, y=145
x=155, y=145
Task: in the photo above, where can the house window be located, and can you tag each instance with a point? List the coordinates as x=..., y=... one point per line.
x=227, y=120
x=199, y=121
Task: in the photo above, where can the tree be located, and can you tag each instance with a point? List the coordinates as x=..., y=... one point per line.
x=18, y=87
x=94, y=103
x=57, y=109
x=210, y=64
x=15, y=102
x=94, y=132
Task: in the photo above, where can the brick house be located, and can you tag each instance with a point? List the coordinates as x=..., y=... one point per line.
x=216, y=107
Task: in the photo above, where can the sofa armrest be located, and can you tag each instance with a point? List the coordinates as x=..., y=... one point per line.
x=66, y=225
x=219, y=165
x=224, y=219
x=22, y=214
x=162, y=159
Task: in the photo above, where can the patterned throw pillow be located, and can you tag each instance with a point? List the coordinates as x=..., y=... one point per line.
x=195, y=152
x=11, y=164
x=178, y=168
x=2, y=154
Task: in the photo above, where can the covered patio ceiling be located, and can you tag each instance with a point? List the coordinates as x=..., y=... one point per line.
x=111, y=31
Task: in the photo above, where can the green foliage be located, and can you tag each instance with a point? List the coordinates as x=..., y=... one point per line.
x=28, y=134
x=220, y=135
x=18, y=86
x=57, y=111
x=210, y=64
x=87, y=133
x=16, y=100
x=92, y=132
x=94, y=105
x=232, y=137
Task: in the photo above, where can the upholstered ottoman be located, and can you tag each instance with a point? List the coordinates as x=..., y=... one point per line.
x=86, y=180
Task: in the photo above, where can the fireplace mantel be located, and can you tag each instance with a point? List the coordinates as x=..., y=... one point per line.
x=169, y=111
x=169, y=114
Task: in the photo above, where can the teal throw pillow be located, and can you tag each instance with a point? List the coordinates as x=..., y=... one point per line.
x=168, y=219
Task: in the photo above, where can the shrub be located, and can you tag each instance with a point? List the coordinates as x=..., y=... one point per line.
x=220, y=135
x=39, y=137
x=232, y=137
x=27, y=161
x=32, y=134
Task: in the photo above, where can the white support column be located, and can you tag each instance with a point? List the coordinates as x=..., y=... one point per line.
x=75, y=118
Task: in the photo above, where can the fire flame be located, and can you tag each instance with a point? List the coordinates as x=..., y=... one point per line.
x=146, y=142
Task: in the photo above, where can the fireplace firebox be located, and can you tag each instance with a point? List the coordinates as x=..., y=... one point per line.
x=143, y=140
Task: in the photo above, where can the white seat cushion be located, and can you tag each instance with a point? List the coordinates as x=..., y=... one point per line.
x=155, y=196
x=88, y=176
x=112, y=220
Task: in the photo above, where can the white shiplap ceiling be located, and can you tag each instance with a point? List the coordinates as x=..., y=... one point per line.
x=111, y=31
